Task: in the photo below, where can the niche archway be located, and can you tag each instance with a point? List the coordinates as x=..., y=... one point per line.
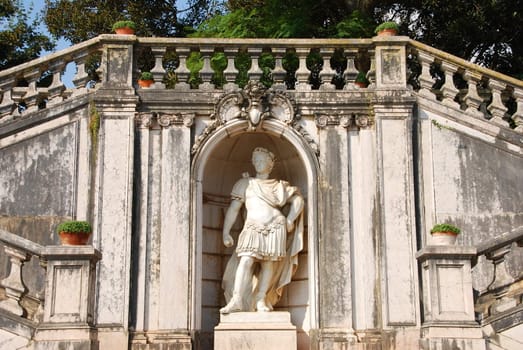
x=218, y=164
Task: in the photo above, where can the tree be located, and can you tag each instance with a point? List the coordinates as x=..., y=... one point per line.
x=487, y=32
x=20, y=41
x=89, y=18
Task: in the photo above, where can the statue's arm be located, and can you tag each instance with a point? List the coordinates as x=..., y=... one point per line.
x=296, y=207
x=230, y=218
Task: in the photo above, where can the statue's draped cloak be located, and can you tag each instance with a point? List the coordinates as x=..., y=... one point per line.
x=277, y=194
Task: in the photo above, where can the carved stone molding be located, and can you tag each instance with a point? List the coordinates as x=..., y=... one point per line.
x=144, y=120
x=150, y=120
x=359, y=121
x=255, y=103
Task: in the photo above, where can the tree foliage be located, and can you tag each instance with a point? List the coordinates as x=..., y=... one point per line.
x=20, y=40
x=487, y=32
x=88, y=18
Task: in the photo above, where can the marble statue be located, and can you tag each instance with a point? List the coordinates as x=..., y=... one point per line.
x=266, y=255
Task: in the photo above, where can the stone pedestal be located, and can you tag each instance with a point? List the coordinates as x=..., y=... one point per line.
x=255, y=331
x=448, y=304
x=69, y=299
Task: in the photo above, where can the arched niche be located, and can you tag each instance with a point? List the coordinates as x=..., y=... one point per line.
x=217, y=165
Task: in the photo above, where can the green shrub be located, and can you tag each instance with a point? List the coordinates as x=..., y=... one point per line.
x=445, y=228
x=386, y=25
x=146, y=76
x=124, y=24
x=74, y=227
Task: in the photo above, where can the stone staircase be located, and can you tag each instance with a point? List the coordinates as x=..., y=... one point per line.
x=462, y=94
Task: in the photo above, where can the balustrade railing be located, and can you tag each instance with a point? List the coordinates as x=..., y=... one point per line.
x=479, y=92
x=295, y=64
x=69, y=275
x=301, y=64
x=505, y=291
x=39, y=83
x=18, y=250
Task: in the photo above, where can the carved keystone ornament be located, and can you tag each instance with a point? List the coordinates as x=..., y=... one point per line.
x=254, y=103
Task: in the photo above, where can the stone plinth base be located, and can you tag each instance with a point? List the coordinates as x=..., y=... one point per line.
x=255, y=331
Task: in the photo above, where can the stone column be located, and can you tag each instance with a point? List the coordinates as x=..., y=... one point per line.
x=69, y=299
x=448, y=305
x=116, y=102
x=335, y=274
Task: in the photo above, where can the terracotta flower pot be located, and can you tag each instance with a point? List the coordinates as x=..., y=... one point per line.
x=443, y=238
x=387, y=32
x=145, y=83
x=74, y=238
x=124, y=30
x=360, y=84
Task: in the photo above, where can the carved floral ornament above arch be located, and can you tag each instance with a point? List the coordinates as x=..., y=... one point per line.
x=255, y=103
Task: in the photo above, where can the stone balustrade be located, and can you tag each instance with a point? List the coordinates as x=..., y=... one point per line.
x=293, y=64
x=459, y=84
x=39, y=83
x=502, y=299
x=69, y=290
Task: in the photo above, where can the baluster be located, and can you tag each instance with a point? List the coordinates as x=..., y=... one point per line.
x=13, y=284
x=327, y=73
x=206, y=72
x=351, y=72
x=31, y=95
x=6, y=87
x=517, y=117
x=302, y=74
x=496, y=107
x=230, y=73
x=472, y=99
x=255, y=72
x=371, y=74
x=158, y=71
x=81, y=77
x=501, y=281
x=182, y=72
x=426, y=81
x=279, y=73
x=57, y=87
x=448, y=89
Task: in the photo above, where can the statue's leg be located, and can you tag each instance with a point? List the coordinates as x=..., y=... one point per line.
x=242, y=280
x=264, y=281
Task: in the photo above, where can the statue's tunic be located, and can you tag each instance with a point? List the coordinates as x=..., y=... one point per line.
x=266, y=241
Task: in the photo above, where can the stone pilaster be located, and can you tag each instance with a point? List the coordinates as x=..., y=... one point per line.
x=336, y=331
x=162, y=241
x=116, y=103
x=393, y=113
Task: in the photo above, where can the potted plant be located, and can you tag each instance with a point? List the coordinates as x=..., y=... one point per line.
x=124, y=27
x=74, y=232
x=444, y=234
x=361, y=80
x=387, y=28
x=146, y=79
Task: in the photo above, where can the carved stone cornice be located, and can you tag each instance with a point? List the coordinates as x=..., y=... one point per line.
x=354, y=120
x=150, y=120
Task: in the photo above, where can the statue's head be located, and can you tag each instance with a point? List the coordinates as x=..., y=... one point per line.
x=262, y=153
